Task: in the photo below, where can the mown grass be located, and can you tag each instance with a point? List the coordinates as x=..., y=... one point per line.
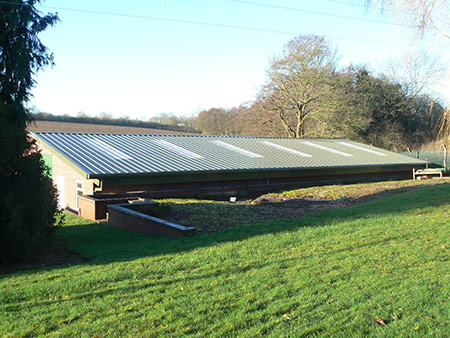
x=331, y=274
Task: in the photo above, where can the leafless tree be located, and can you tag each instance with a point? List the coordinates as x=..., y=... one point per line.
x=218, y=121
x=297, y=81
x=418, y=72
x=422, y=15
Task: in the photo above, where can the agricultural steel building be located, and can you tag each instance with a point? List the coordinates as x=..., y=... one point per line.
x=93, y=170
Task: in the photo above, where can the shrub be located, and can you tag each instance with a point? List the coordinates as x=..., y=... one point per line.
x=28, y=200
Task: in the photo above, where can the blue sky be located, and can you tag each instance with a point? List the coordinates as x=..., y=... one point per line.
x=143, y=58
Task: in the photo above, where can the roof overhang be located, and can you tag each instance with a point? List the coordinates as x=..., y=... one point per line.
x=211, y=176
x=61, y=155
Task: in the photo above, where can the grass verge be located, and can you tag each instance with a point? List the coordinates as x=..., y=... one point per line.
x=342, y=272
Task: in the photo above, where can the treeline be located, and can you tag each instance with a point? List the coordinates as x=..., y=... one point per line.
x=162, y=121
x=306, y=95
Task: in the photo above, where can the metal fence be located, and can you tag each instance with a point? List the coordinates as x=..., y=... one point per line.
x=434, y=159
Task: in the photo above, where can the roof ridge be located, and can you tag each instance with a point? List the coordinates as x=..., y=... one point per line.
x=190, y=135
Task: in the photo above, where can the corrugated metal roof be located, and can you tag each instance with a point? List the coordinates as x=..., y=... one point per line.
x=125, y=154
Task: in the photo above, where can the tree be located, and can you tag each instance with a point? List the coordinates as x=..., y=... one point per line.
x=417, y=72
x=169, y=119
x=444, y=129
x=27, y=195
x=424, y=120
x=254, y=121
x=421, y=15
x=384, y=105
x=381, y=113
x=218, y=121
x=298, y=83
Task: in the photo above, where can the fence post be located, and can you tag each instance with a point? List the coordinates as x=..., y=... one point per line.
x=445, y=156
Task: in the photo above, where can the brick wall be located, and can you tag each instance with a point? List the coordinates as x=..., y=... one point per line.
x=93, y=208
x=87, y=208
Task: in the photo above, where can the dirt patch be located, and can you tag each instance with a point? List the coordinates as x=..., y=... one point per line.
x=56, y=255
x=213, y=215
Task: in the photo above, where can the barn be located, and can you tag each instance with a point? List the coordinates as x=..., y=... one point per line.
x=92, y=170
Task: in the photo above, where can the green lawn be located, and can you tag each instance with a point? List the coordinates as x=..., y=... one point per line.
x=331, y=274
x=359, y=190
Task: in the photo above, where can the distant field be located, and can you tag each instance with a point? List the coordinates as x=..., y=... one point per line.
x=52, y=126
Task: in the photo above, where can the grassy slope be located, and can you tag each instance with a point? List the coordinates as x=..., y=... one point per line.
x=331, y=274
x=358, y=190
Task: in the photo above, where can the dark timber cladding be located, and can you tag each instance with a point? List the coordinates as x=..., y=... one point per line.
x=123, y=159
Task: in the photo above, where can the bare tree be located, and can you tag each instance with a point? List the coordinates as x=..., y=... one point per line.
x=218, y=121
x=421, y=15
x=297, y=83
x=418, y=72
x=443, y=136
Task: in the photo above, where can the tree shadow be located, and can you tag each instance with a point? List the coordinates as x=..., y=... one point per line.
x=161, y=280
x=101, y=244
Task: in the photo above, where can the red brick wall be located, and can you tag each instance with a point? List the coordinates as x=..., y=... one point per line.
x=87, y=208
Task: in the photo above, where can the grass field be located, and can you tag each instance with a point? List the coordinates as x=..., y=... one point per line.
x=380, y=268
x=55, y=126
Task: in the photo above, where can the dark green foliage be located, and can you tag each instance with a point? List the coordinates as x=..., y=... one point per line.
x=393, y=120
x=21, y=52
x=27, y=196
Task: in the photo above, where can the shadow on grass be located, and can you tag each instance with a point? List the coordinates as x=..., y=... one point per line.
x=102, y=244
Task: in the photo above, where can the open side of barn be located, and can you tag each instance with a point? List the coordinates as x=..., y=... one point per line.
x=94, y=170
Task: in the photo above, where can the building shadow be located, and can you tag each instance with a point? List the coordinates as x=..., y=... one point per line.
x=99, y=244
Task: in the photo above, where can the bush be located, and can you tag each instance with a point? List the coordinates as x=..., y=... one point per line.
x=28, y=200
x=27, y=196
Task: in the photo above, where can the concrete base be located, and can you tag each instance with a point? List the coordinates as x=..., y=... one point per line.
x=121, y=216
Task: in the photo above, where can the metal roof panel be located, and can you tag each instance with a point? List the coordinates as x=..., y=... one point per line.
x=126, y=154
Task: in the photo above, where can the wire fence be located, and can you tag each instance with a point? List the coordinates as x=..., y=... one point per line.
x=434, y=159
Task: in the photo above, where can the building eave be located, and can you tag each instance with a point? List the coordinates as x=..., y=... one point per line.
x=60, y=155
x=210, y=176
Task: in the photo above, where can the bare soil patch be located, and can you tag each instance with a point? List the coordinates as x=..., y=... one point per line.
x=213, y=215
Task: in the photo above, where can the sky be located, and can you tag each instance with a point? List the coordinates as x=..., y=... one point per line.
x=140, y=58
